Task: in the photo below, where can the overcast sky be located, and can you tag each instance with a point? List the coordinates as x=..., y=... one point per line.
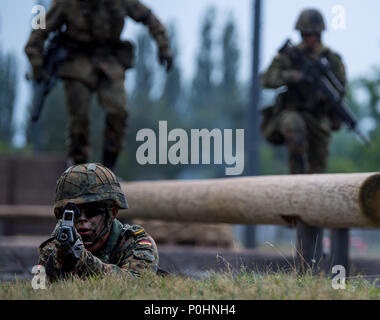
x=358, y=43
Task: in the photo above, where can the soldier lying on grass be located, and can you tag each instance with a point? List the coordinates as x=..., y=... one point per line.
x=89, y=196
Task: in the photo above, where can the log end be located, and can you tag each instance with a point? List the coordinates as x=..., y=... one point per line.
x=369, y=200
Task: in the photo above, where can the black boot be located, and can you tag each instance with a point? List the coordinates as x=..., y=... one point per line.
x=109, y=159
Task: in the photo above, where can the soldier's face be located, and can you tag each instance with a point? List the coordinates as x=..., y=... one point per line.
x=311, y=40
x=91, y=221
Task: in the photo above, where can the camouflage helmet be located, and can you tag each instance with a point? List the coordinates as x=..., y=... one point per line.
x=310, y=20
x=85, y=183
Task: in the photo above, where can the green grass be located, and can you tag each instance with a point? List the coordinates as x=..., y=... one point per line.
x=243, y=286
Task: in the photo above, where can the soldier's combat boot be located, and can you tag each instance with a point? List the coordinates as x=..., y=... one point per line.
x=109, y=159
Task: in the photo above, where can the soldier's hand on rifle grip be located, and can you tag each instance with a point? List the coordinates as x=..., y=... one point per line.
x=166, y=58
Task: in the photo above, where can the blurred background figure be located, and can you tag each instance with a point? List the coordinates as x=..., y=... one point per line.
x=97, y=60
x=303, y=117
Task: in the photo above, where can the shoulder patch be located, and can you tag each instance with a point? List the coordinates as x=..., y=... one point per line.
x=134, y=230
x=145, y=242
x=139, y=232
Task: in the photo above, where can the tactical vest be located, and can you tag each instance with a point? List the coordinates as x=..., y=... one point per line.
x=95, y=27
x=104, y=19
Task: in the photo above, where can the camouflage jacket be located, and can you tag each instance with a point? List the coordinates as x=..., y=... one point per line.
x=281, y=73
x=128, y=249
x=92, y=27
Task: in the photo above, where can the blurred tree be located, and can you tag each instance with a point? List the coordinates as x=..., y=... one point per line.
x=146, y=112
x=140, y=108
x=171, y=105
x=172, y=91
x=203, y=87
x=8, y=90
x=53, y=122
x=230, y=96
x=227, y=109
x=231, y=55
x=370, y=86
x=348, y=154
x=144, y=67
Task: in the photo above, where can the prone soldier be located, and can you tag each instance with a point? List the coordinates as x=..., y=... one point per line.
x=303, y=117
x=97, y=60
x=88, y=239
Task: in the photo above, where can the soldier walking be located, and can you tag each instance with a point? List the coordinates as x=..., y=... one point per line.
x=96, y=63
x=302, y=118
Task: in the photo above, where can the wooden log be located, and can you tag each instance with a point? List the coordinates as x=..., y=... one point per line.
x=22, y=212
x=325, y=200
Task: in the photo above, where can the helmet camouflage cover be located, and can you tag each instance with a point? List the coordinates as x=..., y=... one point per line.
x=310, y=20
x=86, y=183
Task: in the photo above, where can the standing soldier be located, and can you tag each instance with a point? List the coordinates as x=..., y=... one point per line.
x=302, y=117
x=97, y=61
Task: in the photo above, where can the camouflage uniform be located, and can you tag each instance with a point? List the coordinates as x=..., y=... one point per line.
x=97, y=63
x=127, y=249
x=301, y=118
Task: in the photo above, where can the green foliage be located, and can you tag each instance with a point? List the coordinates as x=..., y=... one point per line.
x=348, y=154
x=273, y=161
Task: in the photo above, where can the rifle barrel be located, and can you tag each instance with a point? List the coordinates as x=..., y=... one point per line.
x=362, y=137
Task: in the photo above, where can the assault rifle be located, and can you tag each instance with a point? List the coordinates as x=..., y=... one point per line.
x=320, y=74
x=65, y=234
x=54, y=54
